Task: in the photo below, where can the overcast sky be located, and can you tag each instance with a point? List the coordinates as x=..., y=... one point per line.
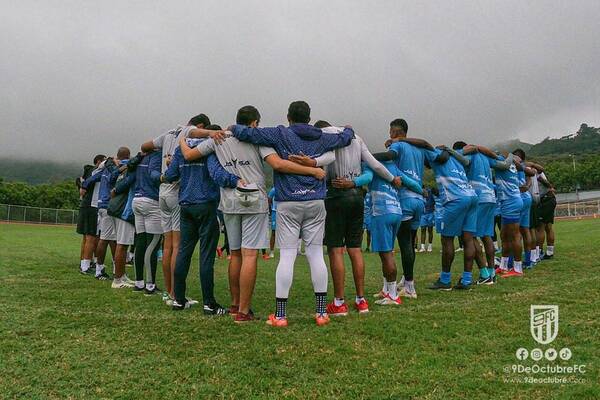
x=83, y=77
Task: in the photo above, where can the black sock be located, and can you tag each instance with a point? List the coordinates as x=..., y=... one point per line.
x=321, y=302
x=140, y=250
x=280, y=307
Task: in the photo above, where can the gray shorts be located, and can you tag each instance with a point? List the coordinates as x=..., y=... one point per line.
x=125, y=232
x=107, y=225
x=147, y=216
x=169, y=212
x=250, y=231
x=300, y=219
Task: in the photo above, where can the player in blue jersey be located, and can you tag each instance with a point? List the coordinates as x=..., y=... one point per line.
x=525, y=174
x=479, y=173
x=409, y=159
x=367, y=219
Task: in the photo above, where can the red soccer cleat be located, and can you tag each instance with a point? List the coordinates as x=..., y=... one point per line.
x=219, y=252
x=265, y=257
x=321, y=319
x=241, y=318
x=337, y=311
x=500, y=271
x=511, y=273
x=362, y=307
x=279, y=323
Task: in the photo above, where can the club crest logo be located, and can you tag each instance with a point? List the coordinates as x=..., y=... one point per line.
x=544, y=323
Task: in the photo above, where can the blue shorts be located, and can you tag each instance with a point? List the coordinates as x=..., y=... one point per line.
x=384, y=229
x=273, y=220
x=412, y=209
x=525, y=213
x=427, y=220
x=485, y=219
x=367, y=222
x=460, y=216
x=510, y=209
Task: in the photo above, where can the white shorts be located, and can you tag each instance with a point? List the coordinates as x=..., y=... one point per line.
x=125, y=231
x=300, y=219
x=147, y=216
x=107, y=225
x=169, y=212
x=250, y=231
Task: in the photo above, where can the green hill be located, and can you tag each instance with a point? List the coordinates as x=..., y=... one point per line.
x=585, y=141
x=37, y=171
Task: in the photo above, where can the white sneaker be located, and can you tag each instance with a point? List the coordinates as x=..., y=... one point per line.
x=126, y=279
x=404, y=293
x=191, y=301
x=388, y=301
x=120, y=283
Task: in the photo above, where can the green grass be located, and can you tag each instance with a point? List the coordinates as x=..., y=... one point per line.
x=63, y=335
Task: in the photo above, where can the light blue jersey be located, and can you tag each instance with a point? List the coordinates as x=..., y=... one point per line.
x=523, y=182
x=507, y=182
x=410, y=160
x=384, y=196
x=450, y=177
x=480, y=177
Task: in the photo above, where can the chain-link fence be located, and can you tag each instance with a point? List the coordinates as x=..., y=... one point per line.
x=37, y=215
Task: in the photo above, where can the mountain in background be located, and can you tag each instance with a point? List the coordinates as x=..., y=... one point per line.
x=511, y=145
x=37, y=171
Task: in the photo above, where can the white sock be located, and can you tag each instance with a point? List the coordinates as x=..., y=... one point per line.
x=318, y=269
x=538, y=251
x=99, y=268
x=496, y=245
x=393, y=290
x=550, y=250
x=95, y=259
x=130, y=256
x=409, y=286
x=504, y=263
x=423, y=246
x=338, y=302
x=285, y=272
x=150, y=286
x=429, y=247
x=85, y=265
x=384, y=287
x=357, y=299
x=139, y=284
x=534, y=255
x=271, y=254
x=518, y=266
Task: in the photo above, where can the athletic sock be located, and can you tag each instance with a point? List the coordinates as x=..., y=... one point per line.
x=358, y=299
x=150, y=286
x=504, y=263
x=518, y=266
x=430, y=247
x=85, y=265
x=139, y=284
x=280, y=308
x=99, y=269
x=409, y=286
x=492, y=272
x=496, y=246
x=550, y=250
x=385, y=286
x=527, y=262
x=321, y=303
x=338, y=302
x=467, y=277
x=445, y=277
x=538, y=252
x=95, y=259
x=393, y=290
x=484, y=272
x=271, y=255
x=422, y=247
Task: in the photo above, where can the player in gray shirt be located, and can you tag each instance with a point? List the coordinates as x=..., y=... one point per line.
x=345, y=212
x=168, y=197
x=246, y=210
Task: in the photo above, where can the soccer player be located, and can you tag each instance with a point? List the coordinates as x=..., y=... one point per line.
x=427, y=222
x=479, y=173
x=344, y=205
x=87, y=224
x=245, y=209
x=524, y=181
x=511, y=205
x=459, y=217
x=148, y=227
x=545, y=230
x=198, y=198
x=168, y=201
x=410, y=160
x=300, y=208
x=120, y=208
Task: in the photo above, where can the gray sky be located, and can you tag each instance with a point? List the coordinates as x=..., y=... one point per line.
x=82, y=77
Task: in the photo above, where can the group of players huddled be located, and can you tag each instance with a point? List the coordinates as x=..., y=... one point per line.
x=328, y=188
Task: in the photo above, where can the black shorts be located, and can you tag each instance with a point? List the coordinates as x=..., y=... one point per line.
x=546, y=210
x=87, y=224
x=533, y=216
x=344, y=221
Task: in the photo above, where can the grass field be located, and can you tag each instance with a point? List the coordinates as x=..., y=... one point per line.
x=63, y=335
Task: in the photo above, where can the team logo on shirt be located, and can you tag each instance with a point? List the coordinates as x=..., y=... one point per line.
x=235, y=162
x=513, y=169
